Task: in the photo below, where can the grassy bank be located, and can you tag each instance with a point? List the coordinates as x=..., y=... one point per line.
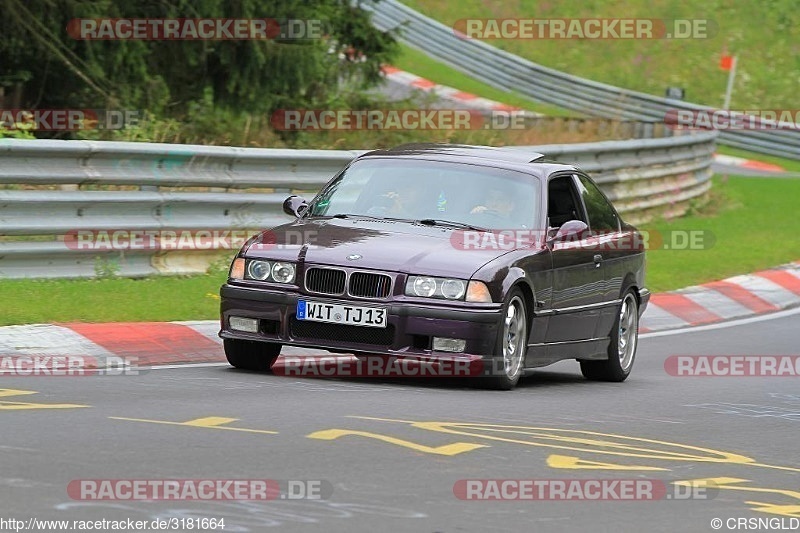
x=111, y=300
x=753, y=224
x=650, y=65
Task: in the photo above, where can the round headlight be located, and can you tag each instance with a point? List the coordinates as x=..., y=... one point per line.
x=424, y=286
x=453, y=289
x=283, y=272
x=258, y=270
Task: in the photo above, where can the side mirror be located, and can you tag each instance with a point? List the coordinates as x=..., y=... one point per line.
x=295, y=206
x=569, y=229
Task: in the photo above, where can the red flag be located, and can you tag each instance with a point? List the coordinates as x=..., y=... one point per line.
x=726, y=62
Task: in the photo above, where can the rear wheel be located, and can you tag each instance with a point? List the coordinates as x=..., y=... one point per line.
x=622, y=348
x=251, y=355
x=512, y=344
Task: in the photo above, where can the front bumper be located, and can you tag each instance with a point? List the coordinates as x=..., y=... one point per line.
x=409, y=331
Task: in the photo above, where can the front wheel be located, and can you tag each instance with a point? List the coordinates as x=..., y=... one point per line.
x=622, y=348
x=251, y=355
x=512, y=344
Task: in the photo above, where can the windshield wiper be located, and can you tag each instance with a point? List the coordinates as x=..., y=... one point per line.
x=449, y=223
x=372, y=217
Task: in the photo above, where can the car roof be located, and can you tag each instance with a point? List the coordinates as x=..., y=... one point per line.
x=515, y=159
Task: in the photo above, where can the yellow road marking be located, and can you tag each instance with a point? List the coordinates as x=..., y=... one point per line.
x=792, y=511
x=9, y=406
x=15, y=392
x=448, y=449
x=732, y=483
x=575, y=463
x=209, y=422
x=777, y=467
x=580, y=441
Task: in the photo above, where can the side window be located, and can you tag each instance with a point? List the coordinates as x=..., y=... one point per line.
x=562, y=202
x=602, y=216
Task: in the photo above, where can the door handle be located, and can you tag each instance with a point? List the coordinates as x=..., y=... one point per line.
x=597, y=260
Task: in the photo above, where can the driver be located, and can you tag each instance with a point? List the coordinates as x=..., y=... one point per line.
x=401, y=203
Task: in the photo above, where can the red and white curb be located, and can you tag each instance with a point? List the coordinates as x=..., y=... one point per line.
x=740, y=296
x=141, y=343
x=463, y=99
x=746, y=163
x=164, y=343
x=146, y=343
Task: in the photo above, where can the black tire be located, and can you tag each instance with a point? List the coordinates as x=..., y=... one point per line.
x=505, y=368
x=251, y=355
x=618, y=366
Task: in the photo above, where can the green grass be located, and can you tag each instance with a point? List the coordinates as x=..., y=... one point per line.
x=754, y=225
x=111, y=300
x=764, y=37
x=418, y=63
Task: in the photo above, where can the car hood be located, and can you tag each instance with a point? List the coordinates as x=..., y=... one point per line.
x=372, y=244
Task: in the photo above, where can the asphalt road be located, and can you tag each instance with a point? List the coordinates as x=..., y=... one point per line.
x=380, y=472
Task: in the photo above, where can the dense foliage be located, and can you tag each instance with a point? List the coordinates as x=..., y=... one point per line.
x=41, y=66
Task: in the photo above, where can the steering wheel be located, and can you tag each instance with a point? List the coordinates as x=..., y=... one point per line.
x=491, y=214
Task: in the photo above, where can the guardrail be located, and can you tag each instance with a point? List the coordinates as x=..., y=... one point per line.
x=512, y=73
x=52, y=189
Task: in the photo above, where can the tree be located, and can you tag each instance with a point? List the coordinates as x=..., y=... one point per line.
x=41, y=66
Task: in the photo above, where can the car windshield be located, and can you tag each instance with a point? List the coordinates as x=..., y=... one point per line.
x=410, y=189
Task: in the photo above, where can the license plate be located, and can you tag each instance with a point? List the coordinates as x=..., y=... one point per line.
x=353, y=315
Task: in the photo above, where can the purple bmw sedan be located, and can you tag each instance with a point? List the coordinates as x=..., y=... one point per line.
x=495, y=257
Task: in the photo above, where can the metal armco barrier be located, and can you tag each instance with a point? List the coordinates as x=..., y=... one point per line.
x=512, y=73
x=49, y=189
